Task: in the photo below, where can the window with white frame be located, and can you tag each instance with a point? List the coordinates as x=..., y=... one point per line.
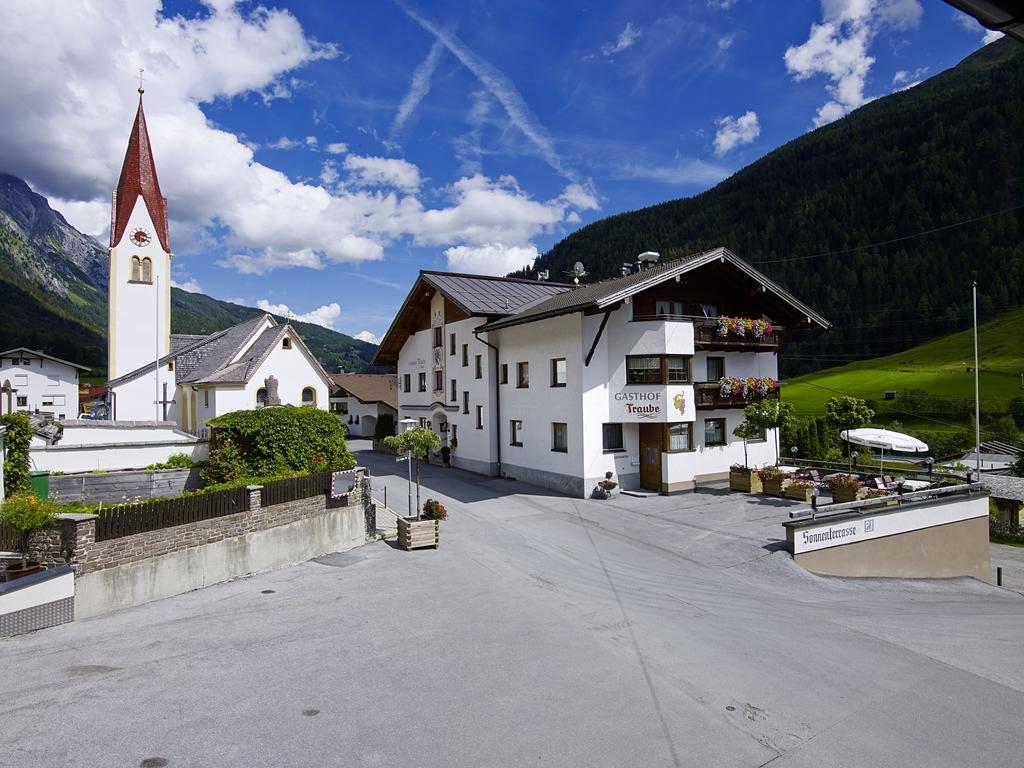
x=515, y=432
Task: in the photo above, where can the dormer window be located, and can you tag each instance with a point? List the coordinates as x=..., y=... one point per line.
x=286, y=343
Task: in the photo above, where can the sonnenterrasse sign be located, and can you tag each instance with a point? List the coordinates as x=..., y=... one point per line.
x=652, y=403
x=811, y=535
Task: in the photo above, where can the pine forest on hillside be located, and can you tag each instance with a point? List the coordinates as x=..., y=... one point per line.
x=943, y=152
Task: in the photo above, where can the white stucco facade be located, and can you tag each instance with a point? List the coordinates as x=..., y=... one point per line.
x=40, y=383
x=636, y=376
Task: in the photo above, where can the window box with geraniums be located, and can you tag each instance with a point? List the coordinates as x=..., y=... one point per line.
x=773, y=481
x=743, y=327
x=747, y=388
x=844, y=488
x=800, y=490
x=27, y=515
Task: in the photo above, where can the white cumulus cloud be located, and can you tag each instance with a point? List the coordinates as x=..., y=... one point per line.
x=490, y=259
x=839, y=49
x=368, y=336
x=383, y=172
x=736, y=131
x=325, y=315
x=190, y=284
x=337, y=148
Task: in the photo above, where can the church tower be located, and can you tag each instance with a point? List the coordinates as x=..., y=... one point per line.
x=139, y=324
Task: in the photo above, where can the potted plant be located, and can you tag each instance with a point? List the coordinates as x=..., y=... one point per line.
x=606, y=487
x=773, y=481
x=425, y=529
x=27, y=515
x=416, y=532
x=742, y=477
x=800, y=490
x=844, y=488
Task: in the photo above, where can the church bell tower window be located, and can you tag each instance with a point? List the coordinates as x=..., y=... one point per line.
x=136, y=269
x=147, y=270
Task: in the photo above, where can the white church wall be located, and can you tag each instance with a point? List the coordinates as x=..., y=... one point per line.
x=87, y=446
x=140, y=313
x=136, y=400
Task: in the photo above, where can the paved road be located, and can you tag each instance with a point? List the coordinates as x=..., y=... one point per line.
x=544, y=631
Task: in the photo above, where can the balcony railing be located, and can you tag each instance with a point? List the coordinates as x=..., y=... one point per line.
x=709, y=396
x=707, y=335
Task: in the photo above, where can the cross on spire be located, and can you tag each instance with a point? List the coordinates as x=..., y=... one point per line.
x=141, y=89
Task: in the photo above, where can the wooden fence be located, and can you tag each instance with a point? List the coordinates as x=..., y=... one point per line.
x=10, y=541
x=127, y=519
x=295, y=488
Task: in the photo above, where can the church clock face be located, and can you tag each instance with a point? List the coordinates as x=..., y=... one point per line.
x=141, y=237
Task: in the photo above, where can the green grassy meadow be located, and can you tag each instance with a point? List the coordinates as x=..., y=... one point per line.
x=938, y=367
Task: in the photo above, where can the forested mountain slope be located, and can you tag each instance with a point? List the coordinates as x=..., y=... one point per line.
x=943, y=152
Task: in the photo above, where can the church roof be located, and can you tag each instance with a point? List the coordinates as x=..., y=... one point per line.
x=230, y=356
x=138, y=178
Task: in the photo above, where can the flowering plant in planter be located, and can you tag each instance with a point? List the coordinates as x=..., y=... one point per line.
x=741, y=326
x=747, y=387
x=27, y=514
x=843, y=482
x=801, y=484
x=875, y=493
x=771, y=473
x=434, y=510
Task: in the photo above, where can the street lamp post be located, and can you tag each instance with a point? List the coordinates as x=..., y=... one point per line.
x=408, y=424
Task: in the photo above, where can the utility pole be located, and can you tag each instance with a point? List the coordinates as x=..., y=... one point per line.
x=156, y=364
x=977, y=388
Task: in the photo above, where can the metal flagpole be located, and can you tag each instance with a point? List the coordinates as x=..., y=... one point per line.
x=156, y=364
x=977, y=389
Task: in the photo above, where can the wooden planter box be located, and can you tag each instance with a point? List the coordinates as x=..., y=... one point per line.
x=747, y=482
x=773, y=487
x=799, y=493
x=413, y=533
x=843, y=495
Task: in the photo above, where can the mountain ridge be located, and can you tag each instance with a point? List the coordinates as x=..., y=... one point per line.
x=56, y=277
x=939, y=153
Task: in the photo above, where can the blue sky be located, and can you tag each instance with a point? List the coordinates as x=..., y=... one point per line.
x=317, y=154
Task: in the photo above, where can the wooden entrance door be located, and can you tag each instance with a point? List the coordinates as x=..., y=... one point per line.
x=650, y=456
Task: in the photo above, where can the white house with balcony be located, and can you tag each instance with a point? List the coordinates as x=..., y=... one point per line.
x=35, y=382
x=644, y=375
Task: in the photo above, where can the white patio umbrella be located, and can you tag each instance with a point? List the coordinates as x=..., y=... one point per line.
x=882, y=439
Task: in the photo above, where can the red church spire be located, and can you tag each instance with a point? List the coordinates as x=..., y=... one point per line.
x=138, y=177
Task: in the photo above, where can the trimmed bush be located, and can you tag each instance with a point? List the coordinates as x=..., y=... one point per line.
x=271, y=442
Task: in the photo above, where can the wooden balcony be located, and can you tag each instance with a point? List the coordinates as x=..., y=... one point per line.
x=706, y=337
x=709, y=397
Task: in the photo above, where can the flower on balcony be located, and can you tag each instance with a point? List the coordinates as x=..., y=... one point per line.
x=747, y=387
x=741, y=326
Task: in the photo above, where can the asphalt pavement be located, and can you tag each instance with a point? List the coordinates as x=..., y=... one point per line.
x=667, y=631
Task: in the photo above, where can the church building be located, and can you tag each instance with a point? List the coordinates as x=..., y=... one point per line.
x=187, y=379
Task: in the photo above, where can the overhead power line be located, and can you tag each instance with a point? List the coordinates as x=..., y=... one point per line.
x=943, y=228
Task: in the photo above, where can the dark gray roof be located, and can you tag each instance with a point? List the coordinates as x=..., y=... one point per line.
x=1005, y=487
x=208, y=359
x=610, y=292
x=26, y=352
x=483, y=295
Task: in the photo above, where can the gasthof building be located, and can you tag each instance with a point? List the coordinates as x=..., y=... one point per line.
x=556, y=384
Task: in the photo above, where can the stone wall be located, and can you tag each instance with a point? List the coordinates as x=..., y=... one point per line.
x=134, y=569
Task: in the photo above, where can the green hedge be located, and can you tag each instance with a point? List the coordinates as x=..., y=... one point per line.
x=275, y=442
x=16, y=444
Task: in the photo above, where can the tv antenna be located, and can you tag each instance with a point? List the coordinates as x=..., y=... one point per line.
x=578, y=271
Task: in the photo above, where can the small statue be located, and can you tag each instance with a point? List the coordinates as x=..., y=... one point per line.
x=272, y=396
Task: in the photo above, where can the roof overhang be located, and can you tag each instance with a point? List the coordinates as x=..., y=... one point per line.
x=1005, y=16
x=613, y=298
